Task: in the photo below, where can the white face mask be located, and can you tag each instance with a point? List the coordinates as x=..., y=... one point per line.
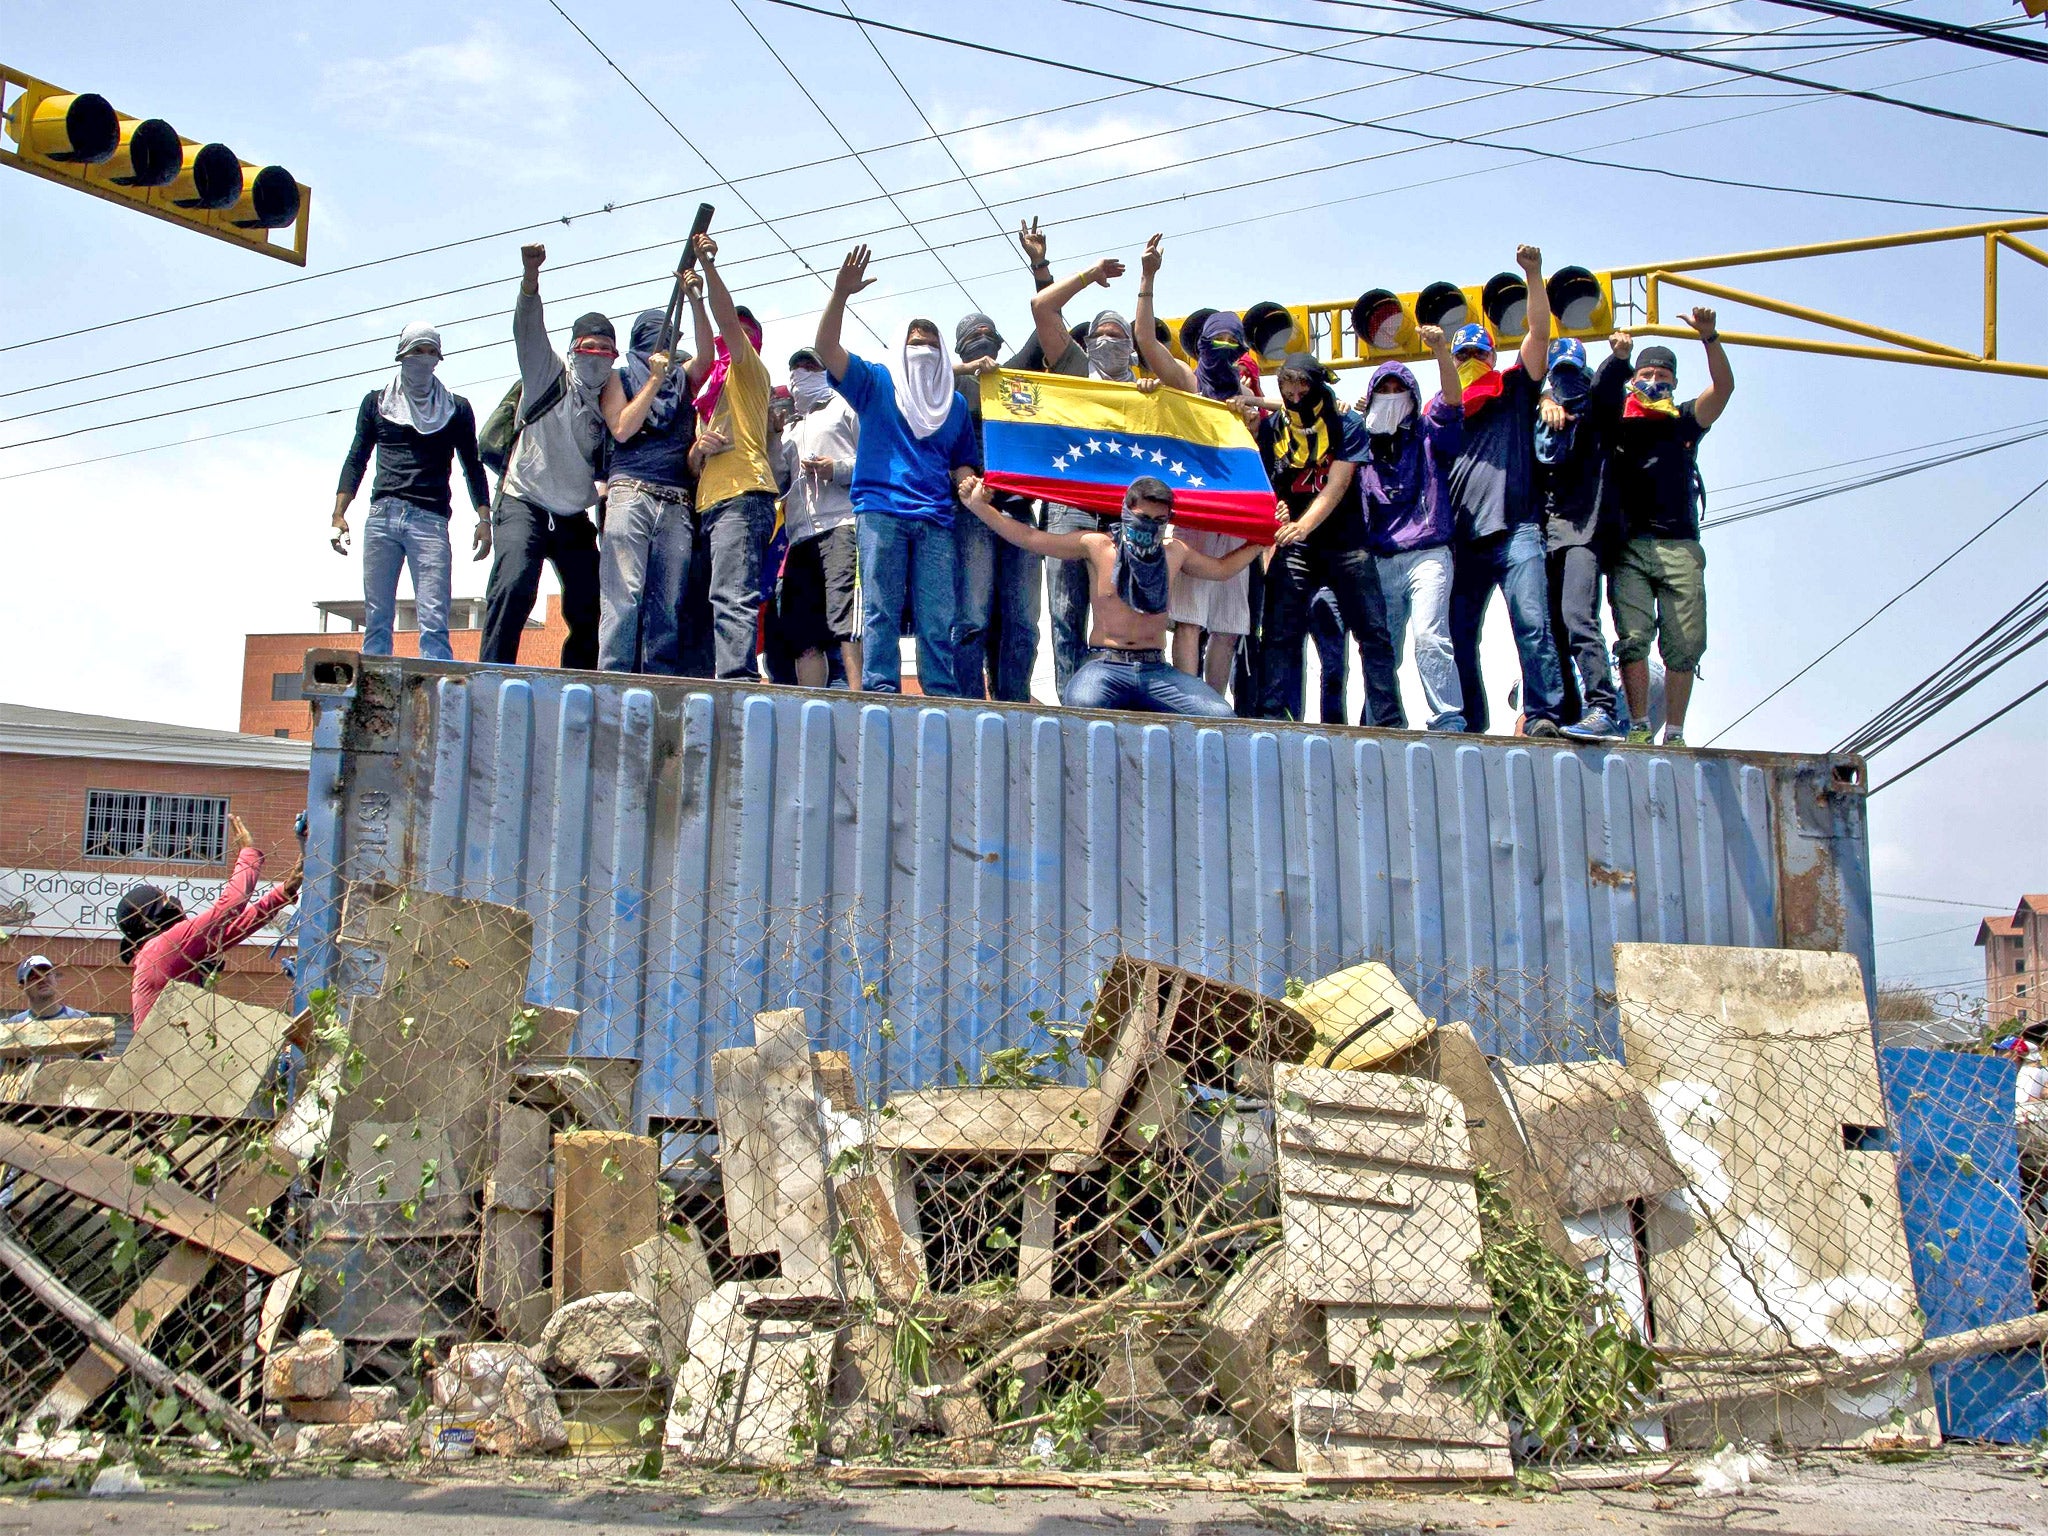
x=1110, y=355
x=809, y=388
x=417, y=370
x=1388, y=412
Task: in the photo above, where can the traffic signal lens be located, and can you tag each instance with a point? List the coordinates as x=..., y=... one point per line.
x=1575, y=298
x=210, y=178
x=82, y=129
x=1267, y=327
x=1441, y=304
x=272, y=201
x=150, y=154
x=1505, y=298
x=1377, y=319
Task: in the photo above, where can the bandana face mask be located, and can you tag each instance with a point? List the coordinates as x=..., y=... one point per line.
x=592, y=368
x=1387, y=413
x=1110, y=355
x=1651, y=398
x=981, y=344
x=1473, y=367
x=417, y=369
x=809, y=388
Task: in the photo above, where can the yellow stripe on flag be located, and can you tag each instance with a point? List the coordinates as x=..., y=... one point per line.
x=1099, y=405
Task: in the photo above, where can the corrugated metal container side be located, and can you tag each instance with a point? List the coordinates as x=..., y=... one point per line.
x=928, y=875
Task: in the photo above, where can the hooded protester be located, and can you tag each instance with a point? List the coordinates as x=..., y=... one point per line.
x=1102, y=349
x=916, y=447
x=996, y=601
x=1658, y=587
x=1311, y=446
x=163, y=945
x=559, y=454
x=735, y=501
x=1404, y=483
x=1498, y=527
x=418, y=429
x=649, y=535
x=815, y=594
x=1210, y=618
x=1575, y=421
x=1130, y=569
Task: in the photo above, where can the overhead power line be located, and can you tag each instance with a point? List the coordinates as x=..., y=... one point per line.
x=1685, y=56
x=1923, y=26
x=2008, y=637
x=1958, y=740
x=1879, y=612
x=1764, y=506
x=1941, y=901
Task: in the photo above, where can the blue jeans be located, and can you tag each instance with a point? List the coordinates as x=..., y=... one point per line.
x=996, y=593
x=1143, y=682
x=1067, y=591
x=1417, y=584
x=397, y=533
x=906, y=561
x=730, y=540
x=1514, y=562
x=643, y=558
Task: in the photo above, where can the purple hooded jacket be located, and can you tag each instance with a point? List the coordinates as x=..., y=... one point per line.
x=1404, y=479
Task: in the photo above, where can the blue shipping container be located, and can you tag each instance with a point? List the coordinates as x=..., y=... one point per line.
x=692, y=852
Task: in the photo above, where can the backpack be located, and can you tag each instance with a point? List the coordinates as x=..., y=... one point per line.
x=500, y=433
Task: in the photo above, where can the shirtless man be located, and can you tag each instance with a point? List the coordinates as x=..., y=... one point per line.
x=1128, y=574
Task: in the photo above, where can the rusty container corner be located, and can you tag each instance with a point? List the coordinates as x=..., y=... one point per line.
x=936, y=879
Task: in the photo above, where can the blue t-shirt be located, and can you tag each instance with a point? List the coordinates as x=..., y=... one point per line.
x=895, y=471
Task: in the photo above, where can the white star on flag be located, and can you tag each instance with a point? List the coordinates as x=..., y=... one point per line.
x=1194, y=480
x=1177, y=468
x=1073, y=450
x=1094, y=446
x=1059, y=463
x=1158, y=457
x=1113, y=446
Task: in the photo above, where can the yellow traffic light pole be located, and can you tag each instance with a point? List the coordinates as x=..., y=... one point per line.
x=1328, y=329
x=79, y=141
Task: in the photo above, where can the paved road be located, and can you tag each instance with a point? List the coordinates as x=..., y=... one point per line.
x=1951, y=1494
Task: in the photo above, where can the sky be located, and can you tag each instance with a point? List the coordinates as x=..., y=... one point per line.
x=147, y=534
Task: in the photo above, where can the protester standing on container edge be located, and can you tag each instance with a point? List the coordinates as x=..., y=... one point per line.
x=817, y=596
x=1499, y=527
x=559, y=455
x=1658, y=588
x=418, y=428
x=916, y=450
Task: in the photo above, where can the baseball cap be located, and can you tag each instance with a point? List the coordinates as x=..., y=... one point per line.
x=806, y=357
x=593, y=324
x=1657, y=357
x=32, y=964
x=1567, y=352
x=1472, y=338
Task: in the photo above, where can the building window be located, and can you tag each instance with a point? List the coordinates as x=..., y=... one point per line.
x=287, y=687
x=186, y=829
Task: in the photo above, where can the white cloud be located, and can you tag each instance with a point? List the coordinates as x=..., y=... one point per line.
x=478, y=99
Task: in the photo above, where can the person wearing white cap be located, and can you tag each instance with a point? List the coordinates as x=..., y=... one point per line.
x=37, y=978
x=418, y=429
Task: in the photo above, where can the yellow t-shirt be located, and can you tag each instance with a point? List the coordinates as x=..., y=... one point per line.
x=742, y=417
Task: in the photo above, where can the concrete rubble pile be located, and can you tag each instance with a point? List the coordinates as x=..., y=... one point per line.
x=1221, y=1230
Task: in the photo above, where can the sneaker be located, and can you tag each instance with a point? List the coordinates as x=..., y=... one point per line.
x=1541, y=730
x=1594, y=725
x=1673, y=738
x=1640, y=735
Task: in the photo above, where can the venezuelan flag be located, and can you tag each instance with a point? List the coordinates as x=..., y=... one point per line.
x=1083, y=441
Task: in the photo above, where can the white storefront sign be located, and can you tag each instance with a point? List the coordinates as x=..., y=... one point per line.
x=80, y=904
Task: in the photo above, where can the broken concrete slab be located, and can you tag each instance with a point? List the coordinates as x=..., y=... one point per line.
x=992, y=1122
x=313, y=1367
x=671, y=1274
x=608, y=1201
x=1593, y=1133
x=435, y=1034
x=771, y=1153
x=198, y=1053
x=754, y=1390
x=501, y=1385
x=53, y=1039
x=397, y=1159
x=349, y=1406
x=1255, y=1347
x=1787, y=1238
x=606, y=1339
x=518, y=1193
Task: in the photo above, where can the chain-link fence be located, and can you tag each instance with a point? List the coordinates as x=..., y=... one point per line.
x=1159, y=1221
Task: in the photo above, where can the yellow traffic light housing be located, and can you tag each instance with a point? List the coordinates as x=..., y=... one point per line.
x=79, y=140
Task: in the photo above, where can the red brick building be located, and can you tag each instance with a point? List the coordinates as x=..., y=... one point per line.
x=89, y=805
x=273, y=666
x=2014, y=950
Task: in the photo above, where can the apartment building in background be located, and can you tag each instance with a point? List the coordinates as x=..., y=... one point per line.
x=2014, y=949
